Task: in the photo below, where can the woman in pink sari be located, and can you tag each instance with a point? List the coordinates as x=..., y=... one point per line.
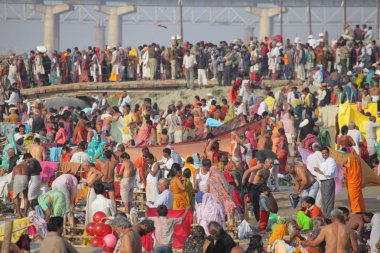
x=221, y=191
x=143, y=136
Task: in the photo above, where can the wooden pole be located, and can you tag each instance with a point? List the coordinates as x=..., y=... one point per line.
x=181, y=18
x=344, y=13
x=7, y=237
x=309, y=17
x=282, y=19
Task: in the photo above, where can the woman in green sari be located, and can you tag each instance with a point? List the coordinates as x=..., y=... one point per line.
x=324, y=137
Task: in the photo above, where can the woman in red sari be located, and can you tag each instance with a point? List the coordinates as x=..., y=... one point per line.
x=85, y=67
x=280, y=148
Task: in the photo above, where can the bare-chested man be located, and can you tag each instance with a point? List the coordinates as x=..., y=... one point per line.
x=107, y=167
x=257, y=177
x=375, y=92
x=127, y=174
x=354, y=222
x=20, y=178
x=130, y=242
x=338, y=237
x=304, y=182
x=37, y=150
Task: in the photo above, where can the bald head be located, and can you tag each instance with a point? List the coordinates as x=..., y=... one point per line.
x=237, y=249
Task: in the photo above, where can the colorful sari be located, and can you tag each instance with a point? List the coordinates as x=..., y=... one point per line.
x=180, y=197
x=220, y=190
x=142, y=138
x=95, y=147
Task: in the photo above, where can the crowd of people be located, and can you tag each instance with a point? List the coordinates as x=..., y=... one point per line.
x=218, y=184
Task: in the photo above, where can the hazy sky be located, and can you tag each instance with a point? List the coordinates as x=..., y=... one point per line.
x=23, y=36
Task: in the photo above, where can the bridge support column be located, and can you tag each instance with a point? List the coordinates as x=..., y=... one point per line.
x=100, y=37
x=114, y=21
x=266, y=15
x=248, y=33
x=51, y=23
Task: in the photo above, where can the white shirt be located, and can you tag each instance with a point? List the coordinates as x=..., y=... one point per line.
x=290, y=97
x=189, y=61
x=104, y=205
x=165, y=198
x=80, y=157
x=329, y=169
x=356, y=135
x=13, y=99
x=168, y=164
x=19, y=136
x=370, y=129
x=263, y=107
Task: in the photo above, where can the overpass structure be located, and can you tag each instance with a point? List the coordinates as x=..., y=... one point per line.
x=248, y=13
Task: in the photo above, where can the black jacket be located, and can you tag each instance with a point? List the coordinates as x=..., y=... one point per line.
x=223, y=245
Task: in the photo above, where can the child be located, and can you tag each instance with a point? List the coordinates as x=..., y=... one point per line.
x=164, y=137
x=65, y=155
x=265, y=207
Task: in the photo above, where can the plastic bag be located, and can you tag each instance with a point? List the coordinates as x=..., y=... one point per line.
x=244, y=230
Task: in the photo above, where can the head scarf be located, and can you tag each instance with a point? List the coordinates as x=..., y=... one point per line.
x=326, y=141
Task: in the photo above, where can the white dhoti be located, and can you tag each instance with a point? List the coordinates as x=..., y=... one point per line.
x=151, y=189
x=20, y=184
x=63, y=188
x=91, y=196
x=126, y=189
x=34, y=187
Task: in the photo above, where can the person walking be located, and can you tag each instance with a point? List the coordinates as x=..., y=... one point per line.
x=189, y=62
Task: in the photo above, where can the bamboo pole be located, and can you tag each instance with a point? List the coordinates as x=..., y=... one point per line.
x=7, y=237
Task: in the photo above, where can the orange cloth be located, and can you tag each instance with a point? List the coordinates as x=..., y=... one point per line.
x=139, y=164
x=353, y=171
x=180, y=197
x=315, y=211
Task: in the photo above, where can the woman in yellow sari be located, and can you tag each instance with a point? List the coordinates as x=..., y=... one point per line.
x=178, y=188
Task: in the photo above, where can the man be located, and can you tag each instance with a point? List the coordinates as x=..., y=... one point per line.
x=356, y=135
x=164, y=229
x=124, y=101
x=12, y=161
x=315, y=160
x=264, y=141
x=93, y=176
x=218, y=241
x=328, y=171
x=337, y=236
x=166, y=196
x=257, y=177
x=152, y=60
x=202, y=64
x=189, y=62
x=130, y=240
x=371, y=136
x=237, y=249
x=80, y=156
x=20, y=178
x=68, y=185
x=307, y=125
x=260, y=157
x=37, y=150
x=305, y=183
x=121, y=224
x=54, y=242
x=354, y=222
x=166, y=161
x=38, y=125
x=101, y=203
x=35, y=169
x=21, y=133
x=127, y=183
x=107, y=167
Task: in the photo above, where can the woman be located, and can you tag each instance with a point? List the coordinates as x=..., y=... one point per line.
x=60, y=137
x=80, y=132
x=178, y=188
x=194, y=243
x=221, y=191
x=324, y=138
x=280, y=148
x=53, y=204
x=84, y=67
x=210, y=210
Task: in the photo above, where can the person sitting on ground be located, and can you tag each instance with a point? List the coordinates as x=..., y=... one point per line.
x=307, y=212
x=194, y=243
x=219, y=241
x=54, y=242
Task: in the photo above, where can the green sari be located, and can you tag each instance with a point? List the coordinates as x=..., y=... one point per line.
x=325, y=138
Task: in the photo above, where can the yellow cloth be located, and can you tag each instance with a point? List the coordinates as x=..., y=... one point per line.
x=190, y=167
x=130, y=118
x=270, y=101
x=346, y=114
x=296, y=102
x=180, y=198
x=19, y=227
x=277, y=234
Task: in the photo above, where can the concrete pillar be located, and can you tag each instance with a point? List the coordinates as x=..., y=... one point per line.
x=248, y=33
x=114, y=21
x=100, y=36
x=265, y=15
x=51, y=23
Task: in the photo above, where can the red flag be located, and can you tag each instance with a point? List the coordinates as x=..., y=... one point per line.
x=181, y=231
